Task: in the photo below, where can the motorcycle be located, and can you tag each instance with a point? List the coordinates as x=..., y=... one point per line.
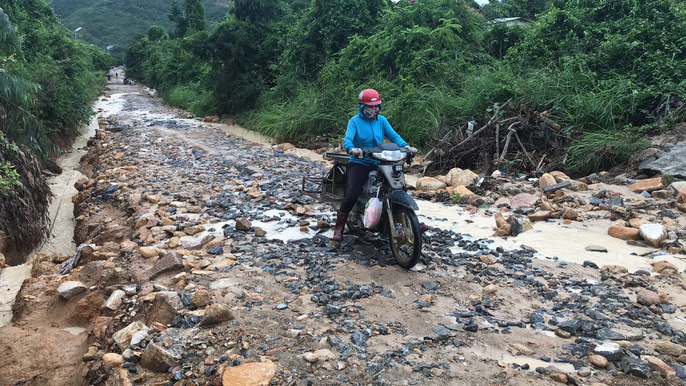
x=398, y=221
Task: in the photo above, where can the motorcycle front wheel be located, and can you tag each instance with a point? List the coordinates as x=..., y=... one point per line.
x=407, y=245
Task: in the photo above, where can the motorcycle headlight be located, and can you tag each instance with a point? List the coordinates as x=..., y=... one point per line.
x=390, y=155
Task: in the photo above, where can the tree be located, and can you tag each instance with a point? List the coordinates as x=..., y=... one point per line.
x=155, y=33
x=195, y=16
x=17, y=94
x=176, y=17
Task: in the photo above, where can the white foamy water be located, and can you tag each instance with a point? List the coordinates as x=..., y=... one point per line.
x=550, y=239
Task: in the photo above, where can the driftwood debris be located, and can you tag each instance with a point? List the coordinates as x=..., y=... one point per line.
x=515, y=137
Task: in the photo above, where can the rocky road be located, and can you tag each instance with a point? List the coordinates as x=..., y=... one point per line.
x=203, y=264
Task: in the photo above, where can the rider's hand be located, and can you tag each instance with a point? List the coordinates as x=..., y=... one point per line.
x=356, y=152
x=411, y=150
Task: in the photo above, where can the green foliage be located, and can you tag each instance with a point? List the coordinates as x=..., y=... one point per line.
x=603, y=150
x=293, y=69
x=500, y=37
x=49, y=80
x=528, y=9
x=194, y=13
x=156, y=33
x=9, y=178
x=325, y=29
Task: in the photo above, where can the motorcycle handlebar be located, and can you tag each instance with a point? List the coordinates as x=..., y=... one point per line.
x=408, y=159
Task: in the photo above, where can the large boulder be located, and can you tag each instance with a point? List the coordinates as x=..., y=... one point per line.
x=462, y=177
x=430, y=184
x=669, y=160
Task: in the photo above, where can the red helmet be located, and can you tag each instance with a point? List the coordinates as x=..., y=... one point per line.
x=369, y=97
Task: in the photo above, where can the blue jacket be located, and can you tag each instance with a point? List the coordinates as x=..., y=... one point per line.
x=368, y=133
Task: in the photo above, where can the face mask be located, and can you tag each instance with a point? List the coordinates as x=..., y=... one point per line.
x=370, y=112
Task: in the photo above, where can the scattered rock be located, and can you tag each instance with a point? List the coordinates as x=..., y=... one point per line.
x=654, y=234
x=523, y=200
x=611, y=351
x=254, y=374
x=596, y=248
x=69, y=289
x=669, y=348
x=115, y=300
x=148, y=252
x=113, y=359
x=646, y=297
x=656, y=364
x=457, y=177
x=546, y=180
x=647, y=185
x=559, y=377
x=170, y=261
x=635, y=366
x=541, y=215
x=216, y=313
x=623, y=233
x=201, y=298
x=665, y=268
x=520, y=349
x=91, y=354
x=156, y=358
x=310, y=357
x=123, y=337
x=490, y=289
x=243, y=224
x=430, y=184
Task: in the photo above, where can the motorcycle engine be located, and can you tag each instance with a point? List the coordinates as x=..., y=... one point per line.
x=372, y=185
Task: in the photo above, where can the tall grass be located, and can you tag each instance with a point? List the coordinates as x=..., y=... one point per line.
x=191, y=98
x=603, y=150
x=311, y=113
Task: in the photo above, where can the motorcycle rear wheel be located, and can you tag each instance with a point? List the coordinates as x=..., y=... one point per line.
x=407, y=246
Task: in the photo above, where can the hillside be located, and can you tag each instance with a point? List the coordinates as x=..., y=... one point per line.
x=117, y=22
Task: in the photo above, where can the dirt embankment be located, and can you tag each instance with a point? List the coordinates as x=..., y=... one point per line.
x=187, y=281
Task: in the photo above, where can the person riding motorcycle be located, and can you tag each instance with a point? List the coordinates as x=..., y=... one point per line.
x=366, y=130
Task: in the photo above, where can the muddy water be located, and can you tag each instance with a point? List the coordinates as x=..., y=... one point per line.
x=550, y=239
x=10, y=283
x=553, y=240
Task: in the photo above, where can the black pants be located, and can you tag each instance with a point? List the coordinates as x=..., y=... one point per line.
x=356, y=175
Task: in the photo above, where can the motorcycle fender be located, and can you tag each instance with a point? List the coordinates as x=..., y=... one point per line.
x=400, y=197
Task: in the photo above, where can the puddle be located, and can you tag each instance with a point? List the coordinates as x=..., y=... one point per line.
x=550, y=239
x=113, y=106
x=11, y=279
x=276, y=230
x=533, y=363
